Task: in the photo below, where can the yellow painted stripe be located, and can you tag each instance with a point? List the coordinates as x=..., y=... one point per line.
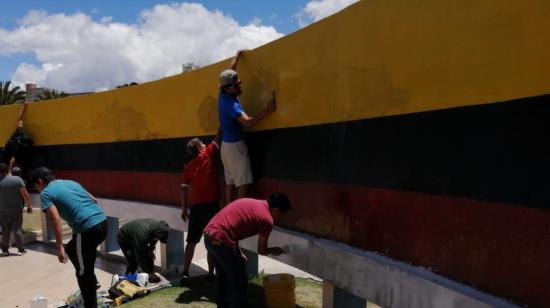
x=375, y=58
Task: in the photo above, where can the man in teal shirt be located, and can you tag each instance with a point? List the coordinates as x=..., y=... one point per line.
x=68, y=200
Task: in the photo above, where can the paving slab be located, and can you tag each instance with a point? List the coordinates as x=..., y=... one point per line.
x=39, y=272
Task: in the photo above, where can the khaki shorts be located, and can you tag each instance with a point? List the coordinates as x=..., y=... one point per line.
x=236, y=163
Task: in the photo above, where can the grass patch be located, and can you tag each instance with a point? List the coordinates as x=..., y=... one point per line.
x=200, y=294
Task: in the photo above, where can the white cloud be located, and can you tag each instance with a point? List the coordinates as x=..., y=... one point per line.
x=318, y=9
x=77, y=53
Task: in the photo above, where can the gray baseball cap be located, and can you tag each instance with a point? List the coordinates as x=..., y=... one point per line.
x=228, y=77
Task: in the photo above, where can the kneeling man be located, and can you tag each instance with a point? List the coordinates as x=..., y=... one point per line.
x=137, y=240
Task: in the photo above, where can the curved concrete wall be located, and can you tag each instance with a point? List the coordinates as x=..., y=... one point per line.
x=415, y=130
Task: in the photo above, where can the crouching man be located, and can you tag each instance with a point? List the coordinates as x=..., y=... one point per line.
x=137, y=240
x=236, y=221
x=68, y=200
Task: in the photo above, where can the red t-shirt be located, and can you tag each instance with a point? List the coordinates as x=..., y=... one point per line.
x=200, y=173
x=240, y=219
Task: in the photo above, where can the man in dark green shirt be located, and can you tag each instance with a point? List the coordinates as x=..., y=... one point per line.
x=137, y=240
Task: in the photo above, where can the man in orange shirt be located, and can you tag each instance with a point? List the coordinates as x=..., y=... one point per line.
x=199, y=197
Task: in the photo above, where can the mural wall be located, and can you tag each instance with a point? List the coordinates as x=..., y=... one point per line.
x=416, y=130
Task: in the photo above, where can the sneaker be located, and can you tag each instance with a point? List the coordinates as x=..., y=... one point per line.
x=184, y=280
x=21, y=252
x=5, y=253
x=211, y=278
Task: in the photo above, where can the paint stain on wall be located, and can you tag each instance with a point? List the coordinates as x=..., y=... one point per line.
x=125, y=122
x=208, y=114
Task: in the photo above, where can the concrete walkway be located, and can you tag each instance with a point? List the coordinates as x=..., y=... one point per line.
x=39, y=272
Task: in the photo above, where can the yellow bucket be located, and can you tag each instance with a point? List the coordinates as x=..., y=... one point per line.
x=280, y=291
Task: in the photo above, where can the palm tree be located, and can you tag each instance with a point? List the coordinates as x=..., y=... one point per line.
x=10, y=96
x=51, y=94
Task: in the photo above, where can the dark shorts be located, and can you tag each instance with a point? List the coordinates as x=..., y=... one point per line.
x=199, y=216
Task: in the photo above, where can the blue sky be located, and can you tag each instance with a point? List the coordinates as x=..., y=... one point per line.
x=47, y=41
x=278, y=13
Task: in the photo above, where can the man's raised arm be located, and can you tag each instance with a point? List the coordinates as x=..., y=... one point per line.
x=235, y=60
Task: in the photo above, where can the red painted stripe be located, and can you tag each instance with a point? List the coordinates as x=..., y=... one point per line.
x=500, y=248
x=155, y=187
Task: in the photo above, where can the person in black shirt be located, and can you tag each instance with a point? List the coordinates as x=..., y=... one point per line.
x=16, y=148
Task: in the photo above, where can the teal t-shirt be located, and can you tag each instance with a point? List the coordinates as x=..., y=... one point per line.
x=73, y=203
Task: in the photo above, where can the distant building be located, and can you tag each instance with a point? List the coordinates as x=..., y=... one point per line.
x=34, y=92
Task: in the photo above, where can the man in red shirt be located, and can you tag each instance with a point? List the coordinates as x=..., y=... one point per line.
x=199, y=195
x=236, y=221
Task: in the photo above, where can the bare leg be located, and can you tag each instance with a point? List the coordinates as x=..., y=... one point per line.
x=228, y=193
x=189, y=252
x=242, y=191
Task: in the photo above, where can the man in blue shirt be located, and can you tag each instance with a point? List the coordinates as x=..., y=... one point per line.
x=233, y=119
x=68, y=200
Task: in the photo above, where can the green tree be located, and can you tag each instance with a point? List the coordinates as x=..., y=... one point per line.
x=51, y=94
x=126, y=85
x=189, y=66
x=10, y=96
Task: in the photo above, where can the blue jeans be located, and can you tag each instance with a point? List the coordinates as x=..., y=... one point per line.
x=231, y=276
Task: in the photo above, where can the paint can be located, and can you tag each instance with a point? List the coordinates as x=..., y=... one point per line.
x=280, y=291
